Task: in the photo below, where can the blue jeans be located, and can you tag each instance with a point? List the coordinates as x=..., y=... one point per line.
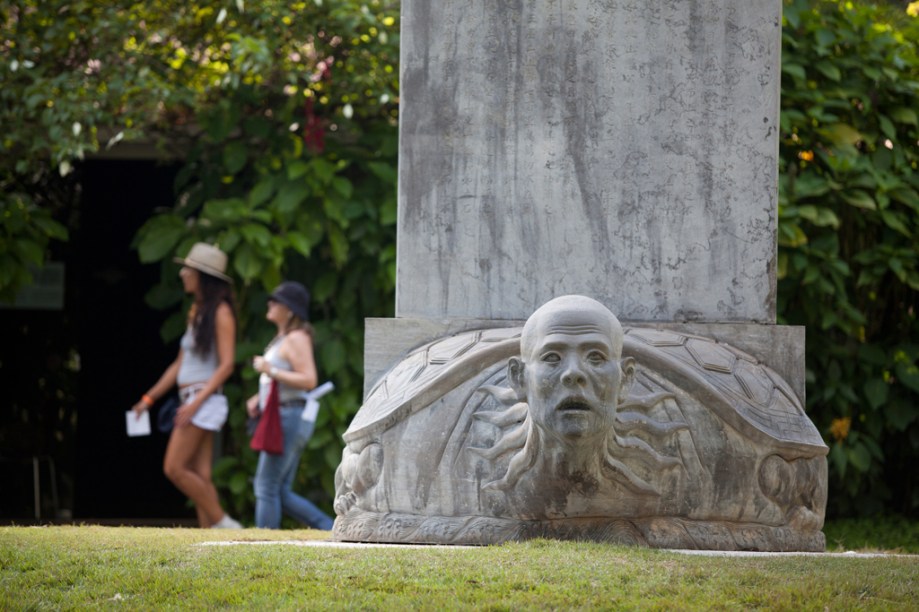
x=274, y=479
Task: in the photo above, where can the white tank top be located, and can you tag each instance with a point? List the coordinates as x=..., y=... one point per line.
x=285, y=392
x=194, y=367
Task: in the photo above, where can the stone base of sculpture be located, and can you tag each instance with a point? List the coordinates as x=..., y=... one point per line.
x=572, y=427
x=658, y=532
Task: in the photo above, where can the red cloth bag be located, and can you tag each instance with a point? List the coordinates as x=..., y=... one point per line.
x=269, y=436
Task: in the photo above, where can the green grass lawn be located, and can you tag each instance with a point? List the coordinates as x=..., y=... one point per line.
x=894, y=534
x=149, y=568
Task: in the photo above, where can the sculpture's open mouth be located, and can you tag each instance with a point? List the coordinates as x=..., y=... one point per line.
x=574, y=404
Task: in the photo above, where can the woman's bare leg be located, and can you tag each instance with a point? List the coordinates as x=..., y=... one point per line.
x=203, y=520
x=203, y=462
x=187, y=446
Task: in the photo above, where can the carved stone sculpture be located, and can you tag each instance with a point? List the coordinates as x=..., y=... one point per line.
x=575, y=428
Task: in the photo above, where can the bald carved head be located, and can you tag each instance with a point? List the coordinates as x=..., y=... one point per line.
x=570, y=369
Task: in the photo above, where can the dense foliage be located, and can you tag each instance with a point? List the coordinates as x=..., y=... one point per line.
x=290, y=168
x=284, y=114
x=293, y=174
x=849, y=239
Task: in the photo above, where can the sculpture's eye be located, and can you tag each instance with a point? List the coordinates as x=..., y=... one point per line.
x=596, y=358
x=550, y=358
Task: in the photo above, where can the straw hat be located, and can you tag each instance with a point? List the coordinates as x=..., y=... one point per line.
x=206, y=258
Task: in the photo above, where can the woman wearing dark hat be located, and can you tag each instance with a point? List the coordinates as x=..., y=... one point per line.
x=288, y=360
x=204, y=363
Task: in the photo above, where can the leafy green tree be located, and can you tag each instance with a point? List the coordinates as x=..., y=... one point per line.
x=284, y=116
x=290, y=136
x=849, y=239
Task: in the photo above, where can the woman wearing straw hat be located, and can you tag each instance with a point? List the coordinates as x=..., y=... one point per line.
x=204, y=362
x=288, y=361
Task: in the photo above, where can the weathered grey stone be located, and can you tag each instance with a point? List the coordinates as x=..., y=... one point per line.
x=388, y=341
x=572, y=427
x=625, y=150
x=622, y=150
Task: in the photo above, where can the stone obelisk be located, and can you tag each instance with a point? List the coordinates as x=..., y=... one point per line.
x=622, y=150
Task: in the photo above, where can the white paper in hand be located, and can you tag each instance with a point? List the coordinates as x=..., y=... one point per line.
x=138, y=426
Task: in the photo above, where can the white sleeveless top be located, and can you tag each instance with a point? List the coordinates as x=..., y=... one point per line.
x=195, y=368
x=285, y=392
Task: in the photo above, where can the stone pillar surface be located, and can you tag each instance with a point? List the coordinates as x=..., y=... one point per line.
x=624, y=149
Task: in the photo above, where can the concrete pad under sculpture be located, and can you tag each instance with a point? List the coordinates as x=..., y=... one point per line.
x=705, y=447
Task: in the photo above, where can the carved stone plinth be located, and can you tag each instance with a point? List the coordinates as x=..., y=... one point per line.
x=583, y=430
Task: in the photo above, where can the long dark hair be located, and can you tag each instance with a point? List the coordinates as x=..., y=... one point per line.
x=203, y=315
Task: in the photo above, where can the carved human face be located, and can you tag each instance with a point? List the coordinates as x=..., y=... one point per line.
x=570, y=371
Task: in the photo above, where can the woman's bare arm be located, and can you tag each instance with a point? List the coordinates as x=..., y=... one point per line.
x=297, y=348
x=166, y=382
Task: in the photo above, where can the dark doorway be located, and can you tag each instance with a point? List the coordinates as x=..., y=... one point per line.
x=75, y=372
x=121, y=352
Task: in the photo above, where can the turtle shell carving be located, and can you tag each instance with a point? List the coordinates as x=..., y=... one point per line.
x=735, y=386
x=632, y=435
x=429, y=372
x=708, y=448
x=742, y=391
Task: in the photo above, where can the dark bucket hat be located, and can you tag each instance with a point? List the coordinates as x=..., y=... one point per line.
x=295, y=296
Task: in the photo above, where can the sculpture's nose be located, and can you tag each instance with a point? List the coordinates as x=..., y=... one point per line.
x=573, y=375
